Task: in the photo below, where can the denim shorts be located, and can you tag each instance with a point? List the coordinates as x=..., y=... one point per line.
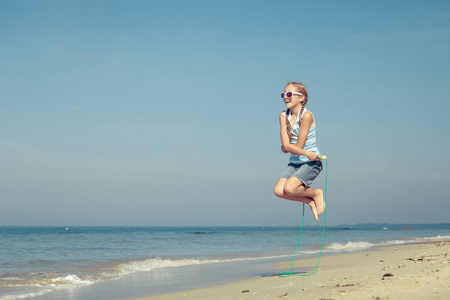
x=306, y=172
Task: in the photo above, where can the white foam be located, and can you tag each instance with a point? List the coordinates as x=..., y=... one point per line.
x=358, y=246
x=394, y=242
x=350, y=246
x=38, y=287
x=69, y=280
x=158, y=263
x=415, y=240
x=26, y=295
x=439, y=237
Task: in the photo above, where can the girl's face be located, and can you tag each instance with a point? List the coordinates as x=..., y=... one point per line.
x=295, y=100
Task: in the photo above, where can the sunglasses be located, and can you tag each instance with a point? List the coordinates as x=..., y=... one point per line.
x=290, y=94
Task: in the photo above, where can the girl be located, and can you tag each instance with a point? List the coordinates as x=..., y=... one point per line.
x=298, y=137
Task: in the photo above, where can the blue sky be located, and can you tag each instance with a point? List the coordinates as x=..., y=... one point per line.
x=166, y=112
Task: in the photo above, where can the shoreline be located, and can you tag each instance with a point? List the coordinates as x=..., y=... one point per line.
x=411, y=271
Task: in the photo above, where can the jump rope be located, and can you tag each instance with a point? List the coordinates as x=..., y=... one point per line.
x=287, y=274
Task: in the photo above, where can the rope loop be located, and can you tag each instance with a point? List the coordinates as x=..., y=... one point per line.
x=287, y=274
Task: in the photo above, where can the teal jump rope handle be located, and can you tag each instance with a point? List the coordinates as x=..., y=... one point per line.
x=323, y=157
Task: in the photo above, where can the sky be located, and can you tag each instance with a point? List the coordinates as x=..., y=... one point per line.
x=165, y=113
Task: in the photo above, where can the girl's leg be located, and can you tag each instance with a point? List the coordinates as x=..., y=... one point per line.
x=294, y=187
x=279, y=191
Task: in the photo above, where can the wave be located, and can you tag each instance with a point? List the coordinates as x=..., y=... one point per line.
x=350, y=246
x=17, y=286
x=415, y=240
x=360, y=246
x=148, y=265
x=439, y=237
x=27, y=286
x=32, y=284
x=152, y=264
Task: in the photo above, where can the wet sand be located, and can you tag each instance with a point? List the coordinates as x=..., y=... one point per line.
x=414, y=271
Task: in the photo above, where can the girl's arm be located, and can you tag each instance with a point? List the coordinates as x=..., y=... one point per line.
x=297, y=148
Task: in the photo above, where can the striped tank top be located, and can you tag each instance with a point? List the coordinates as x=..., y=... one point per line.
x=310, y=143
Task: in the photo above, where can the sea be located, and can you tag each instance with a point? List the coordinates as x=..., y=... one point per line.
x=124, y=262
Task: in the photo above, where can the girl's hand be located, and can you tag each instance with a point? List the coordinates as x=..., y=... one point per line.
x=283, y=149
x=312, y=156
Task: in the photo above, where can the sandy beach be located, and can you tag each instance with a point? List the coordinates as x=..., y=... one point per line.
x=414, y=271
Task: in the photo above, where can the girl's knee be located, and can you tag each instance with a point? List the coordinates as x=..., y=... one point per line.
x=289, y=190
x=279, y=187
x=291, y=187
x=278, y=190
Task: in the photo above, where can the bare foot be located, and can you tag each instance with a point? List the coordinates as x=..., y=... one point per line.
x=320, y=202
x=312, y=204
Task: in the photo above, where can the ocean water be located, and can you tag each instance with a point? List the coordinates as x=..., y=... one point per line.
x=123, y=262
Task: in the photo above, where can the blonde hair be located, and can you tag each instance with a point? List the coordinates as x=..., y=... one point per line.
x=301, y=89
